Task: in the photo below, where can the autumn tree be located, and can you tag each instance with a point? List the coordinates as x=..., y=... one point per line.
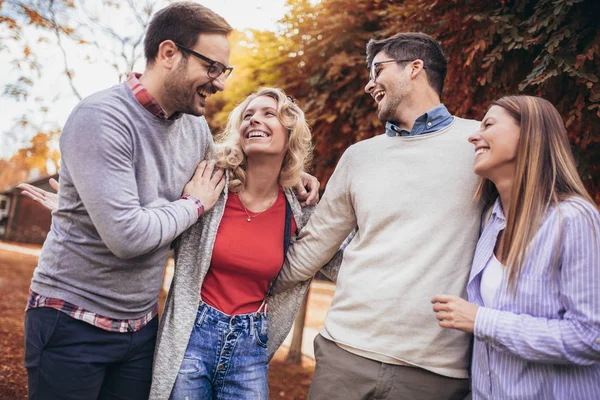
x=548, y=48
x=325, y=69
x=256, y=56
x=64, y=23
x=38, y=156
x=75, y=30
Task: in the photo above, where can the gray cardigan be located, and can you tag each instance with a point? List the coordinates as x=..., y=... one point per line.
x=193, y=252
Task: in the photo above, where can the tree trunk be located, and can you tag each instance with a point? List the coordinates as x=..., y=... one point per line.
x=295, y=354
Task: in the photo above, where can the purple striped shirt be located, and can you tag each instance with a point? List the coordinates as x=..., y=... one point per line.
x=543, y=342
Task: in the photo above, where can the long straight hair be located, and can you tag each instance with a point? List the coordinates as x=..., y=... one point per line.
x=545, y=175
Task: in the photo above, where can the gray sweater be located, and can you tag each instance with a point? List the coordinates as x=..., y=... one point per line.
x=192, y=260
x=122, y=173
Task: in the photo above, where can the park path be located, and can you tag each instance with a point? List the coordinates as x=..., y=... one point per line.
x=17, y=263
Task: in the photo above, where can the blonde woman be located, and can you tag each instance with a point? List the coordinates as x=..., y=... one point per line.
x=219, y=331
x=534, y=287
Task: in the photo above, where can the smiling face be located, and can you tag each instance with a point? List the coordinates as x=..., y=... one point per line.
x=496, y=145
x=188, y=86
x=261, y=132
x=390, y=87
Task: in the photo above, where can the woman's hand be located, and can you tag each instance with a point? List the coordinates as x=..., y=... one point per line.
x=454, y=312
x=48, y=200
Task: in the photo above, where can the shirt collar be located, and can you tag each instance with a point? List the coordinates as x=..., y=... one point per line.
x=435, y=119
x=146, y=100
x=497, y=211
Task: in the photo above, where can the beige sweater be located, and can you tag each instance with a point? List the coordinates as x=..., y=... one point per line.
x=412, y=201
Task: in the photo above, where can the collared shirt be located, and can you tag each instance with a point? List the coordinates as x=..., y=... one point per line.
x=433, y=120
x=108, y=324
x=145, y=98
x=542, y=341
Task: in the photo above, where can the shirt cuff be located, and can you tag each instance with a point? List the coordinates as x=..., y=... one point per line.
x=485, y=324
x=197, y=202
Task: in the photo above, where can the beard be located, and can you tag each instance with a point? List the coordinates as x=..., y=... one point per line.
x=392, y=102
x=181, y=93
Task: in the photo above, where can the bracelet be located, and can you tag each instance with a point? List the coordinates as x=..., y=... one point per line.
x=196, y=201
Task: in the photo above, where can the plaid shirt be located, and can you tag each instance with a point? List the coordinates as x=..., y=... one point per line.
x=146, y=99
x=104, y=323
x=108, y=324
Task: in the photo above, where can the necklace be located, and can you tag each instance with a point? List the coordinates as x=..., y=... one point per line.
x=250, y=217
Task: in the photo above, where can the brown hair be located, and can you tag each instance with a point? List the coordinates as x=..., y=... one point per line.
x=414, y=45
x=181, y=22
x=545, y=175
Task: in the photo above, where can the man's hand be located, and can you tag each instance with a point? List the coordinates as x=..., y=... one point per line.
x=454, y=312
x=205, y=186
x=308, y=198
x=48, y=200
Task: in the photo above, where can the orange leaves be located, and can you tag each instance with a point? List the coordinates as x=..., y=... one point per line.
x=9, y=22
x=338, y=63
x=588, y=55
x=41, y=152
x=479, y=46
x=494, y=48
x=35, y=18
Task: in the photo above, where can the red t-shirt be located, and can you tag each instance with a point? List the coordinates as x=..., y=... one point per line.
x=246, y=257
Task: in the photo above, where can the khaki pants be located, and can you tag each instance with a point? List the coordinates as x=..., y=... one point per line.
x=341, y=375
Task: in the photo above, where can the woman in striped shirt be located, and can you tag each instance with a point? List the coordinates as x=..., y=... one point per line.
x=534, y=287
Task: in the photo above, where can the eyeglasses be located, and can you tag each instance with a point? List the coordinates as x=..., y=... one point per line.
x=374, y=72
x=215, y=68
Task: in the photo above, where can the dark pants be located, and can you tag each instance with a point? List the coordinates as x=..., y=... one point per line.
x=72, y=360
x=341, y=375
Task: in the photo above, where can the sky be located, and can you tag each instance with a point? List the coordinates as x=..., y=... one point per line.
x=52, y=90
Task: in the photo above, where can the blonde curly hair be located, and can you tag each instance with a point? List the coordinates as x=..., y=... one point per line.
x=229, y=153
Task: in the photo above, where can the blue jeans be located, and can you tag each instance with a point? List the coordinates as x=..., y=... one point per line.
x=68, y=359
x=226, y=358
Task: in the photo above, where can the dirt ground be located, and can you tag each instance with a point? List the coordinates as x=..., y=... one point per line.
x=285, y=381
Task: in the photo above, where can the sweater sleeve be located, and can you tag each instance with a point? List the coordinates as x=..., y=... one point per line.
x=329, y=225
x=98, y=154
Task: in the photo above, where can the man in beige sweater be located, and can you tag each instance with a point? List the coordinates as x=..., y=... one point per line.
x=410, y=193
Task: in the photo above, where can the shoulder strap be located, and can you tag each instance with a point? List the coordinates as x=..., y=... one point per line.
x=287, y=234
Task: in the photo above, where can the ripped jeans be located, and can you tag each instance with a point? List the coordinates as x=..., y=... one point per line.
x=226, y=358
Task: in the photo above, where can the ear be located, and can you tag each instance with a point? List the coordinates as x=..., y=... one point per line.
x=416, y=67
x=168, y=54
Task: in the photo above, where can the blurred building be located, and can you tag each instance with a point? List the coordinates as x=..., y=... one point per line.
x=22, y=219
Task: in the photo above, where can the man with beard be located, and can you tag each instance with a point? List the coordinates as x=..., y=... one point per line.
x=127, y=153
x=409, y=192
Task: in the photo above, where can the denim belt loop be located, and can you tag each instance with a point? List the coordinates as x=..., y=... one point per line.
x=251, y=325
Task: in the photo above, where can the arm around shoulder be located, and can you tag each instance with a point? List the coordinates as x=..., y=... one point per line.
x=331, y=222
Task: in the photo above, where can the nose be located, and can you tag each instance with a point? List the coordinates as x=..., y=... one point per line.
x=219, y=82
x=254, y=119
x=370, y=86
x=475, y=138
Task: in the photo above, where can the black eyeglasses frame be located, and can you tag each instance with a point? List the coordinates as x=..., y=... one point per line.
x=222, y=69
x=372, y=76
